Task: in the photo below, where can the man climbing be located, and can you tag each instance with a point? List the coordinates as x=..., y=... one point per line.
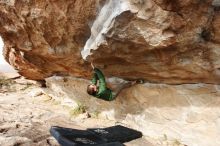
x=101, y=90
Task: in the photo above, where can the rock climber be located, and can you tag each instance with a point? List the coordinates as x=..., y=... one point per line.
x=101, y=90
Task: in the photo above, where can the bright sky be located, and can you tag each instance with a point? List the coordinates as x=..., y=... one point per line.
x=4, y=66
x=2, y=60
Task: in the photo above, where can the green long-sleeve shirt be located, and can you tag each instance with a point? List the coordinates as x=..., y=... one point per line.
x=103, y=92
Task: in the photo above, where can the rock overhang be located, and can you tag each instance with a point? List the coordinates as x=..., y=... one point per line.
x=159, y=41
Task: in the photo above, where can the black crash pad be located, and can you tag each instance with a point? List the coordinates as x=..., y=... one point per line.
x=111, y=136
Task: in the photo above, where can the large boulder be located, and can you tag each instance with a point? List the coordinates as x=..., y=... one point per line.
x=157, y=40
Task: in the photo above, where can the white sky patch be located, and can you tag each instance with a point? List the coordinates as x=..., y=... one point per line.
x=2, y=60
x=4, y=66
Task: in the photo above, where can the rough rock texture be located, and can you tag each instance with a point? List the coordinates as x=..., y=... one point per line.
x=158, y=40
x=45, y=37
x=186, y=114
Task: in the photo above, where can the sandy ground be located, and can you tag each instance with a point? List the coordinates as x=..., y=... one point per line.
x=27, y=115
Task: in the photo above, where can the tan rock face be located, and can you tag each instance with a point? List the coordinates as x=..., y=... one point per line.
x=158, y=40
x=45, y=37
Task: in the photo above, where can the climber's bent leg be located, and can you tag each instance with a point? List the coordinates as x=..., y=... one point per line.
x=119, y=89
